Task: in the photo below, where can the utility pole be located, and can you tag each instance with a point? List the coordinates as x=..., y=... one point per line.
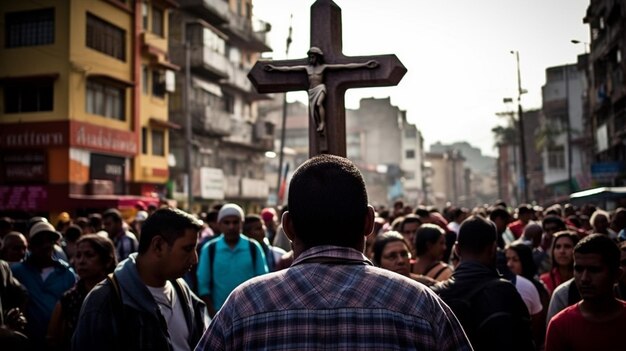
x=281, y=153
x=188, y=132
x=568, y=131
x=520, y=122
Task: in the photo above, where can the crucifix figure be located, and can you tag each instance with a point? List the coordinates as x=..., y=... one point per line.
x=317, y=89
x=326, y=74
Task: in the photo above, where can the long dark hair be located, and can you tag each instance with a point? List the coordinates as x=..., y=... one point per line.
x=525, y=254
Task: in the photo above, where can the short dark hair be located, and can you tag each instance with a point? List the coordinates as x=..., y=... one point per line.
x=72, y=233
x=112, y=213
x=558, y=221
x=410, y=218
x=381, y=242
x=602, y=245
x=103, y=247
x=328, y=202
x=426, y=234
x=476, y=234
x=499, y=212
x=249, y=220
x=169, y=223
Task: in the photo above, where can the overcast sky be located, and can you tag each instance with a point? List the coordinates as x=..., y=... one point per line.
x=457, y=53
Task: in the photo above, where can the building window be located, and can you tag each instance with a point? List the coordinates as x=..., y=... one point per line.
x=105, y=37
x=410, y=133
x=229, y=103
x=28, y=96
x=410, y=154
x=157, y=21
x=144, y=141
x=144, y=15
x=556, y=157
x=158, y=84
x=29, y=28
x=145, y=72
x=158, y=143
x=106, y=100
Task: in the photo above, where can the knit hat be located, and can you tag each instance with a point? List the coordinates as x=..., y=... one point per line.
x=230, y=210
x=43, y=227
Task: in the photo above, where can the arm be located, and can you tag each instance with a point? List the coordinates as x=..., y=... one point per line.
x=203, y=273
x=95, y=330
x=56, y=327
x=368, y=64
x=270, y=68
x=261, y=262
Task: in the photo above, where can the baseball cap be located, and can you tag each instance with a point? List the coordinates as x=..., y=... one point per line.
x=41, y=228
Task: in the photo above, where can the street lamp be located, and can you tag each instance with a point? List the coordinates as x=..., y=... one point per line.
x=585, y=44
x=520, y=122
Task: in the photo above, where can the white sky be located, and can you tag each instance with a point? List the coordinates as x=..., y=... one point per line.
x=457, y=53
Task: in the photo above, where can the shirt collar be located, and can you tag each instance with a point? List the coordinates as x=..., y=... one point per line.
x=335, y=252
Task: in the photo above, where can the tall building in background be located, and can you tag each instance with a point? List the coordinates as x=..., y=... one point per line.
x=607, y=91
x=216, y=42
x=83, y=117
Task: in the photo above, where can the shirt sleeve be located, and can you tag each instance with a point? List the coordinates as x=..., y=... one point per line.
x=203, y=272
x=554, y=337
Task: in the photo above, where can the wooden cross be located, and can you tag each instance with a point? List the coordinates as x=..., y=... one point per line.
x=337, y=73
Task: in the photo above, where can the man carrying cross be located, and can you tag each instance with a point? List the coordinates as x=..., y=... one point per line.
x=317, y=88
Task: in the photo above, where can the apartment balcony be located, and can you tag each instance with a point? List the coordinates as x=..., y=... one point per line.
x=241, y=32
x=208, y=63
x=240, y=133
x=208, y=120
x=214, y=12
x=238, y=80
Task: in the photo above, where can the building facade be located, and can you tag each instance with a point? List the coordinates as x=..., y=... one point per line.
x=84, y=118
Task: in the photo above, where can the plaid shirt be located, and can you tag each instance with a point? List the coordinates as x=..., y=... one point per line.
x=343, y=303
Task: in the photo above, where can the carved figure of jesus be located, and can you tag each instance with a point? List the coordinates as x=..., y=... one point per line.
x=317, y=89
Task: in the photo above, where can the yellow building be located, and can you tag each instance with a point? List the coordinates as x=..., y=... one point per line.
x=83, y=104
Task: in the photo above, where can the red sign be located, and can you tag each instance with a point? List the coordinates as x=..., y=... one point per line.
x=20, y=166
x=29, y=135
x=94, y=137
x=24, y=198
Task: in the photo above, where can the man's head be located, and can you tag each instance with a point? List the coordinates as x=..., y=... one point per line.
x=230, y=218
x=533, y=232
x=269, y=217
x=600, y=222
x=552, y=224
x=14, y=247
x=315, y=54
x=596, y=267
x=254, y=228
x=477, y=240
x=112, y=222
x=500, y=217
x=169, y=237
x=328, y=204
x=42, y=237
x=525, y=213
x=408, y=228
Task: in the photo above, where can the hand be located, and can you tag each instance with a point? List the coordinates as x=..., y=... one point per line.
x=15, y=319
x=372, y=64
x=268, y=68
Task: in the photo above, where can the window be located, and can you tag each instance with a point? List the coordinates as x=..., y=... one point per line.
x=105, y=37
x=410, y=133
x=144, y=141
x=144, y=15
x=29, y=28
x=106, y=99
x=556, y=157
x=229, y=103
x=409, y=154
x=157, y=21
x=158, y=143
x=28, y=96
x=145, y=72
x=213, y=41
x=158, y=83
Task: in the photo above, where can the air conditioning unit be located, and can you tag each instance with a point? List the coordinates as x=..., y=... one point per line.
x=100, y=187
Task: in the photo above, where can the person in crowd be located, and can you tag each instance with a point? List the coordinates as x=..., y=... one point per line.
x=64, y=220
x=14, y=247
x=281, y=240
x=254, y=228
x=501, y=218
x=83, y=223
x=45, y=278
x=490, y=309
x=6, y=226
x=95, y=224
x=70, y=236
x=563, y=296
x=525, y=214
x=599, y=320
x=125, y=241
x=562, y=255
x=457, y=216
x=332, y=297
x=13, y=298
x=140, y=217
x=600, y=223
x=228, y=260
x=145, y=304
x=430, y=245
x=94, y=258
x=269, y=217
x=408, y=226
x=620, y=288
x=519, y=260
x=531, y=237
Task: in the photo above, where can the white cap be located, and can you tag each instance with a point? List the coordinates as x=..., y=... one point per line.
x=43, y=227
x=230, y=210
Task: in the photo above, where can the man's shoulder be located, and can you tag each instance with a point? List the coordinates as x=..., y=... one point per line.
x=99, y=297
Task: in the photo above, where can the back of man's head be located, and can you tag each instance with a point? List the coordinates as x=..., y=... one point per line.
x=328, y=202
x=476, y=234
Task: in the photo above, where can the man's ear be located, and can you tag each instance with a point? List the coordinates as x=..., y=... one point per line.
x=157, y=244
x=369, y=221
x=288, y=225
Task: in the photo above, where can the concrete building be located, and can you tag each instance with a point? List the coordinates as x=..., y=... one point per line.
x=560, y=132
x=446, y=180
x=84, y=118
x=229, y=138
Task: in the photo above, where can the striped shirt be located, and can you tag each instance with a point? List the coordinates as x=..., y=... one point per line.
x=333, y=298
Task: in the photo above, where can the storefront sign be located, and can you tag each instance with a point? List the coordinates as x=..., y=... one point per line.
x=103, y=139
x=212, y=183
x=29, y=135
x=23, y=198
x=29, y=166
x=103, y=167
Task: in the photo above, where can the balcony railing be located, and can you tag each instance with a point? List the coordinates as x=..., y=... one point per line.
x=210, y=61
x=238, y=78
x=242, y=31
x=210, y=120
x=213, y=11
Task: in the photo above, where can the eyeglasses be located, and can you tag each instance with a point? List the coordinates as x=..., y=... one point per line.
x=395, y=255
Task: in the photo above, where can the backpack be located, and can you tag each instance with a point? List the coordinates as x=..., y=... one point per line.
x=212, y=259
x=462, y=305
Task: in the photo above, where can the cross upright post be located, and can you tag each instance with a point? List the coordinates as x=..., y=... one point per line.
x=327, y=73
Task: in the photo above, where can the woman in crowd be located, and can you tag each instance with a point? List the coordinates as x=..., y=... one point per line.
x=94, y=259
x=430, y=246
x=391, y=252
x=562, y=260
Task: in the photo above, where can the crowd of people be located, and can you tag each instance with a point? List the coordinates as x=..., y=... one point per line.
x=327, y=272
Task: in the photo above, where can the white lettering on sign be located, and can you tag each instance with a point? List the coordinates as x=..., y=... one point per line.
x=113, y=170
x=104, y=139
x=34, y=139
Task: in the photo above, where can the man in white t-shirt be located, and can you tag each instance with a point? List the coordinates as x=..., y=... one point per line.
x=145, y=304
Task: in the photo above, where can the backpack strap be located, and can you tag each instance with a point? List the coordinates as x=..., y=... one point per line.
x=118, y=310
x=445, y=266
x=211, y=265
